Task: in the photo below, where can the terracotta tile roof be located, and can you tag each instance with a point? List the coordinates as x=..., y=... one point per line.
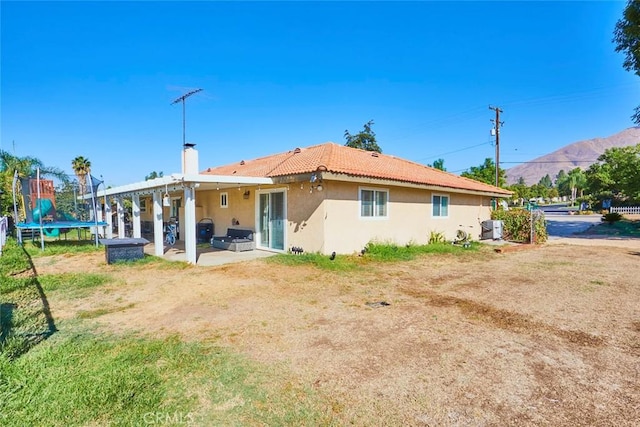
x=350, y=161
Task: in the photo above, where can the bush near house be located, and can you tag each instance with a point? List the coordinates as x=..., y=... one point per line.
x=517, y=225
x=611, y=217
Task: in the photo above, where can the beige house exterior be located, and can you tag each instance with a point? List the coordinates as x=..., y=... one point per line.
x=325, y=198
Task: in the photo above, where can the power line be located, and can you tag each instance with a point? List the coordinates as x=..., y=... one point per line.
x=566, y=97
x=555, y=161
x=534, y=162
x=452, y=152
x=526, y=102
x=436, y=123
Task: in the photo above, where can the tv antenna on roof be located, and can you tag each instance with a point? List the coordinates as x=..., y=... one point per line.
x=182, y=98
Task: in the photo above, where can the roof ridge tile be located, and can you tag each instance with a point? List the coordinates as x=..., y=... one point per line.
x=341, y=159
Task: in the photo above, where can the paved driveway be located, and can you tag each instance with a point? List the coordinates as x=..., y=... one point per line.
x=562, y=229
x=563, y=225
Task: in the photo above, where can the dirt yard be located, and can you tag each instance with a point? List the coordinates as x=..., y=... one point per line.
x=545, y=336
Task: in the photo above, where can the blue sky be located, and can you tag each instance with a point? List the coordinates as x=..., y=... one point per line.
x=96, y=79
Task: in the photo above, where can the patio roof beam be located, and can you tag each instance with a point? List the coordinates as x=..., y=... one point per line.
x=177, y=182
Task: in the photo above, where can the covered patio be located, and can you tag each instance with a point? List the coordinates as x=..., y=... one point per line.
x=208, y=256
x=185, y=186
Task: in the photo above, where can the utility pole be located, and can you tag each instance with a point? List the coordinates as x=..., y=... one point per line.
x=497, y=125
x=182, y=98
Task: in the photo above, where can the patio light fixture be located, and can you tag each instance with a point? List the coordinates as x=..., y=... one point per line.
x=165, y=199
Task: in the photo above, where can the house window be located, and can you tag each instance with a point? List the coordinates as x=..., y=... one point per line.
x=224, y=200
x=373, y=203
x=440, y=206
x=143, y=205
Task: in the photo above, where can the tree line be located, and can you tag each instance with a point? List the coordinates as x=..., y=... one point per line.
x=615, y=176
x=67, y=190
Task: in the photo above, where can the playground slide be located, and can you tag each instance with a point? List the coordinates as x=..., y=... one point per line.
x=42, y=209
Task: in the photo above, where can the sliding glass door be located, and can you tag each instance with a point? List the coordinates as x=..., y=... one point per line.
x=271, y=221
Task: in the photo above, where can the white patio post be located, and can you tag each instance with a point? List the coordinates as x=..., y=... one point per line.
x=98, y=210
x=190, y=223
x=135, y=207
x=158, y=241
x=120, y=211
x=107, y=213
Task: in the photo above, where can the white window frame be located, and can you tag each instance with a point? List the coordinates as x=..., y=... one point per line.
x=433, y=204
x=375, y=216
x=224, y=200
x=142, y=205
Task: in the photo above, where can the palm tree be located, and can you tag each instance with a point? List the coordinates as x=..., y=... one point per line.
x=26, y=167
x=82, y=168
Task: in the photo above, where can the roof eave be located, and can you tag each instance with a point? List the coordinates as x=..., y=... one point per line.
x=176, y=181
x=382, y=181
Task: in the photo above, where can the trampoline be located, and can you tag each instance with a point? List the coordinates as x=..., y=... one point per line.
x=36, y=197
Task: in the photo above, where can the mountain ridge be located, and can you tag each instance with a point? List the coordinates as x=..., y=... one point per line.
x=580, y=154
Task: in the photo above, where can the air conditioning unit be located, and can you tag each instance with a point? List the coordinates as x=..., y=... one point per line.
x=491, y=229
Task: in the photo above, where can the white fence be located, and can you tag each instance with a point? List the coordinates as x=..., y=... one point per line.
x=4, y=225
x=632, y=210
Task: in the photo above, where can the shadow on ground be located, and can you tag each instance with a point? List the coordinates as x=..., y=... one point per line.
x=25, y=315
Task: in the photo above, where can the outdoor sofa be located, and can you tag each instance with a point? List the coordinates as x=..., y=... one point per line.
x=236, y=239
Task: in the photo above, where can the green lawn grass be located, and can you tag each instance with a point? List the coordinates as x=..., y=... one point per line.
x=68, y=374
x=14, y=259
x=622, y=228
x=58, y=247
x=377, y=252
x=95, y=379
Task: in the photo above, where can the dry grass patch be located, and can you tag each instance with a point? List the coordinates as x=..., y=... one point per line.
x=547, y=337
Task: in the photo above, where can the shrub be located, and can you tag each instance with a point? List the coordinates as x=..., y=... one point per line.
x=517, y=225
x=611, y=217
x=436, y=237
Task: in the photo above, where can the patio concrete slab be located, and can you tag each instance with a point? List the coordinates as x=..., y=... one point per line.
x=209, y=256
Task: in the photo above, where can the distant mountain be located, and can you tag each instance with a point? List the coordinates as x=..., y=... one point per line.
x=579, y=154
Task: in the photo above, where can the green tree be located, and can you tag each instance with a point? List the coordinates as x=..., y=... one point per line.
x=562, y=183
x=364, y=140
x=577, y=182
x=66, y=200
x=520, y=190
x=26, y=167
x=617, y=172
x=545, y=181
x=572, y=183
x=438, y=164
x=486, y=173
x=626, y=36
x=154, y=175
x=82, y=168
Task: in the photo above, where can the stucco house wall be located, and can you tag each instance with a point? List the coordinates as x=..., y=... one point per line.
x=318, y=221
x=238, y=212
x=409, y=217
x=466, y=212
x=305, y=217
x=329, y=220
